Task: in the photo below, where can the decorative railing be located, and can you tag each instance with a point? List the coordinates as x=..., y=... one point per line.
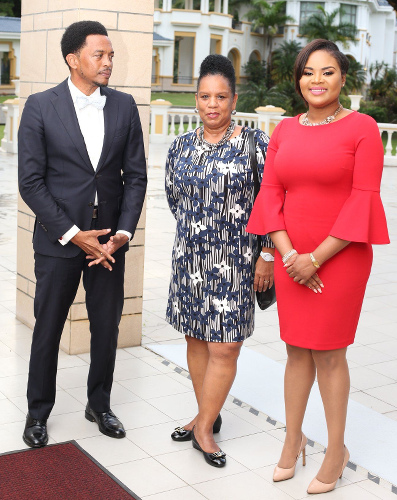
x=246, y=119
x=388, y=130
x=185, y=119
x=167, y=122
x=182, y=117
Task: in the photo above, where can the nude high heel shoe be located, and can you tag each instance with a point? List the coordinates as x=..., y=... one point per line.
x=317, y=486
x=280, y=474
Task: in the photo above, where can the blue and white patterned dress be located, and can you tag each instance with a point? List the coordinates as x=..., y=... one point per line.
x=210, y=193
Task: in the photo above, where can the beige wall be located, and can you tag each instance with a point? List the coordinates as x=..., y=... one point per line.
x=130, y=27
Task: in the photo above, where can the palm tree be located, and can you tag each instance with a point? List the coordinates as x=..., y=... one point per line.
x=322, y=25
x=355, y=77
x=283, y=61
x=269, y=16
x=252, y=95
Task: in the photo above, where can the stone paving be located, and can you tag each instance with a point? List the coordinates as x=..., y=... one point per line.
x=152, y=396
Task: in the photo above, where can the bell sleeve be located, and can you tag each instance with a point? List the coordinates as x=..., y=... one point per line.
x=170, y=189
x=262, y=142
x=267, y=213
x=362, y=217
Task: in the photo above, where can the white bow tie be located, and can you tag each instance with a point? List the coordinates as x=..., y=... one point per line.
x=82, y=101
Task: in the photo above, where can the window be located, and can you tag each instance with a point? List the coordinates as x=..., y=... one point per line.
x=280, y=30
x=235, y=57
x=5, y=69
x=307, y=10
x=216, y=44
x=155, y=67
x=349, y=14
x=184, y=51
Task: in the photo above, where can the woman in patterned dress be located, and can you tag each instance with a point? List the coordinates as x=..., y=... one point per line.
x=210, y=191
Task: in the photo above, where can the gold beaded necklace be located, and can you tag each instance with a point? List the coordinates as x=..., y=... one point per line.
x=329, y=119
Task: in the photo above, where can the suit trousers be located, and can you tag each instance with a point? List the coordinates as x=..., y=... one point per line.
x=57, y=283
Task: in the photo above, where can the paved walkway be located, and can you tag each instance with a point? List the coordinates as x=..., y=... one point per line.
x=152, y=396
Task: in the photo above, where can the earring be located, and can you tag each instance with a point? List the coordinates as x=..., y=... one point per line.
x=234, y=112
x=195, y=110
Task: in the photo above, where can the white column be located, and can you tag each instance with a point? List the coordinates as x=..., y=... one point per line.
x=226, y=6
x=205, y=6
x=167, y=5
x=189, y=4
x=217, y=6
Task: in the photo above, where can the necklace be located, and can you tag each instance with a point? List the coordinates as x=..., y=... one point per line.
x=329, y=119
x=224, y=139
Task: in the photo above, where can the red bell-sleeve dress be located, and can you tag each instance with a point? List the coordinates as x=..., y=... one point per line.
x=321, y=181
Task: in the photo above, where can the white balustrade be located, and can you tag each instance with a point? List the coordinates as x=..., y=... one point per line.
x=182, y=120
x=389, y=129
x=246, y=119
x=9, y=143
x=176, y=121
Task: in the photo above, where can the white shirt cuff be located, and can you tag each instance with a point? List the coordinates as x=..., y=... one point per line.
x=120, y=231
x=68, y=235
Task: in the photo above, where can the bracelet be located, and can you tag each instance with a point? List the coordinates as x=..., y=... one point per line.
x=314, y=261
x=287, y=255
x=268, y=257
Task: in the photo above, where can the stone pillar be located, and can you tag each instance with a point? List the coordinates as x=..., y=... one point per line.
x=268, y=117
x=130, y=27
x=226, y=6
x=159, y=121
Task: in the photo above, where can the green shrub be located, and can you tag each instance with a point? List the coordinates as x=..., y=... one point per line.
x=345, y=101
x=256, y=72
x=377, y=112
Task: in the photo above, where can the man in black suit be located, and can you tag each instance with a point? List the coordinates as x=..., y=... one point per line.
x=82, y=171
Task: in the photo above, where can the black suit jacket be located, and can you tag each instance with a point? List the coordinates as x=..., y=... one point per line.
x=57, y=180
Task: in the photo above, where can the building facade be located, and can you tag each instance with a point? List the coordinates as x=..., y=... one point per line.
x=10, y=35
x=184, y=36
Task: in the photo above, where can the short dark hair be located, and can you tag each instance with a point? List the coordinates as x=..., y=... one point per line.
x=215, y=64
x=311, y=47
x=74, y=38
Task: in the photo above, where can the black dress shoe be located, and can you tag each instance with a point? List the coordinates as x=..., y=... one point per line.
x=216, y=459
x=181, y=434
x=35, y=433
x=107, y=422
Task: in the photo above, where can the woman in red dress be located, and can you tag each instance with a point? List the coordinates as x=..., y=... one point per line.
x=320, y=202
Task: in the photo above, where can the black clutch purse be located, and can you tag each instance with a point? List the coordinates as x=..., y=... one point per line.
x=266, y=298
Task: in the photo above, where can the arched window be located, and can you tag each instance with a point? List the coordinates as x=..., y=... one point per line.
x=235, y=57
x=255, y=56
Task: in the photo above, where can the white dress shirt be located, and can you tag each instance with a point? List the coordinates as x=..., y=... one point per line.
x=92, y=126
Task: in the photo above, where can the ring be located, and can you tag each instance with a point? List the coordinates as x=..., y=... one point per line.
x=101, y=253
x=265, y=281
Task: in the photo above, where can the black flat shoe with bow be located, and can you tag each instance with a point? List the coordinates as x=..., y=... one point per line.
x=182, y=434
x=216, y=459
